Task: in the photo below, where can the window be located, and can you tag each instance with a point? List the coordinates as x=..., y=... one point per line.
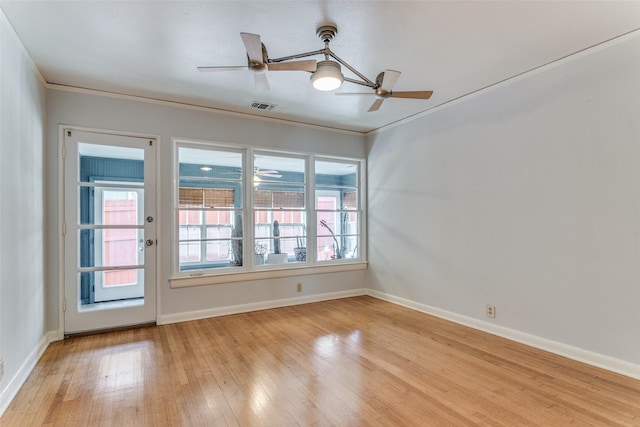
x=242, y=210
x=279, y=203
x=337, y=210
x=209, y=208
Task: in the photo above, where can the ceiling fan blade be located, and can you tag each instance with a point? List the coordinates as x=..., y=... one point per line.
x=376, y=105
x=416, y=94
x=389, y=79
x=254, y=47
x=262, y=84
x=223, y=68
x=307, y=65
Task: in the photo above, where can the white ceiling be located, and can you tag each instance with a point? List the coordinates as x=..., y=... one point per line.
x=152, y=48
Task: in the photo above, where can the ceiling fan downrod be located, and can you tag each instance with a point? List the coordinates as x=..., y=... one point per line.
x=326, y=33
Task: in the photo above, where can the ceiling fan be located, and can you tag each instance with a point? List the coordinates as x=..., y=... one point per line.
x=383, y=85
x=259, y=62
x=326, y=75
x=258, y=173
x=267, y=173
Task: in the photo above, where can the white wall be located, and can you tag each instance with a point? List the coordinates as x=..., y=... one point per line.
x=526, y=197
x=127, y=115
x=22, y=281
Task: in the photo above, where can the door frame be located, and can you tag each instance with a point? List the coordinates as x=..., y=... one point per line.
x=62, y=128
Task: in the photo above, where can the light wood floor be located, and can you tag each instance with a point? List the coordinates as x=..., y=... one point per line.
x=356, y=361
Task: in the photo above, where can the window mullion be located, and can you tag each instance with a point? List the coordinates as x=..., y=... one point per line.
x=312, y=222
x=203, y=236
x=249, y=211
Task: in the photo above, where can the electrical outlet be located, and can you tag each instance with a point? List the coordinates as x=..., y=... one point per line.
x=491, y=311
x=299, y=287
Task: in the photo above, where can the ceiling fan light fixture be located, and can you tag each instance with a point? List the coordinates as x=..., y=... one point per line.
x=328, y=76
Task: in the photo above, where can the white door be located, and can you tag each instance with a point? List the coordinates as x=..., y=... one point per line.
x=109, y=231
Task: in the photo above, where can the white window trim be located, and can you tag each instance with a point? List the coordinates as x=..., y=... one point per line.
x=203, y=279
x=249, y=271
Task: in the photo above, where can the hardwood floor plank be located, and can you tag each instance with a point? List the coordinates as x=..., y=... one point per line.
x=356, y=361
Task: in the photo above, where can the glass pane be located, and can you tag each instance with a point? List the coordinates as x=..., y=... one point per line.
x=115, y=278
x=200, y=197
x=328, y=247
x=293, y=249
x=193, y=223
x=190, y=252
x=279, y=197
x=122, y=281
x=113, y=247
x=343, y=198
x=352, y=245
x=289, y=234
x=210, y=239
x=340, y=178
x=110, y=163
x=209, y=178
x=350, y=200
x=262, y=247
x=86, y=284
x=207, y=254
x=328, y=223
x=337, y=235
x=101, y=205
x=211, y=162
x=220, y=250
x=277, y=169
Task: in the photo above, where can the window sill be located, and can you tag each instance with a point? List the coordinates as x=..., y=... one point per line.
x=216, y=279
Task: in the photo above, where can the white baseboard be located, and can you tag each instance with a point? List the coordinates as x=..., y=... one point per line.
x=263, y=305
x=14, y=385
x=581, y=355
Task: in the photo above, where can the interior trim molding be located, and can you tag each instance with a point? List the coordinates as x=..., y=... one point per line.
x=257, y=306
x=609, y=363
x=15, y=384
x=177, y=104
x=514, y=78
x=276, y=273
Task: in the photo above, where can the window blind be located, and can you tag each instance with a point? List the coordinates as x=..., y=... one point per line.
x=206, y=197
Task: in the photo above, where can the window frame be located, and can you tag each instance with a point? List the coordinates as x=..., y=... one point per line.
x=252, y=270
x=203, y=267
x=254, y=209
x=332, y=191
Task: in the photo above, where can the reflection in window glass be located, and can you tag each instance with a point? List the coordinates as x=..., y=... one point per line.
x=337, y=210
x=209, y=208
x=279, y=201
x=274, y=214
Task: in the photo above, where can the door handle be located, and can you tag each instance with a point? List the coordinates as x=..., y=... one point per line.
x=149, y=242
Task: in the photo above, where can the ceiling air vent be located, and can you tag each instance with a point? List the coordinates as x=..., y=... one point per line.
x=262, y=106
